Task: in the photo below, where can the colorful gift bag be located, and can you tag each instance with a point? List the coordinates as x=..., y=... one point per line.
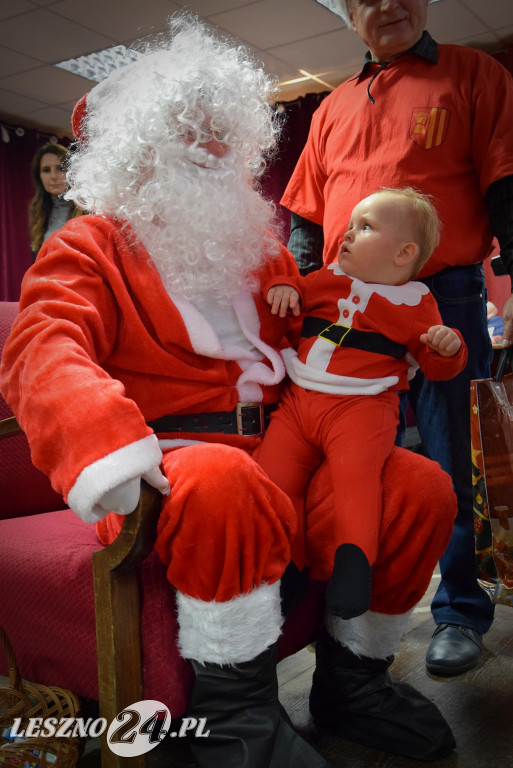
x=491, y=419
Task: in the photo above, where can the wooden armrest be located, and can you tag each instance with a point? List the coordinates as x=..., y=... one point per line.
x=137, y=537
x=9, y=427
x=118, y=620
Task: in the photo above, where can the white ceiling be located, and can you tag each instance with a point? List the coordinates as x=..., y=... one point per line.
x=287, y=35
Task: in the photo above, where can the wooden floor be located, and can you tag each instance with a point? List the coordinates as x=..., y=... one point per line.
x=477, y=705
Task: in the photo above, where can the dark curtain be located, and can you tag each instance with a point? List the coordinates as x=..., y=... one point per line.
x=17, y=147
x=298, y=115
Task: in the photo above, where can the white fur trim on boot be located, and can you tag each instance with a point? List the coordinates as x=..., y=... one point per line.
x=230, y=632
x=374, y=635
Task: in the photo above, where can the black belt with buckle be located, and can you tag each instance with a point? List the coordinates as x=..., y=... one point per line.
x=249, y=419
x=345, y=336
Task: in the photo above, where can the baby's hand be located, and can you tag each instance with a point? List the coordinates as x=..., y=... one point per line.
x=442, y=339
x=282, y=298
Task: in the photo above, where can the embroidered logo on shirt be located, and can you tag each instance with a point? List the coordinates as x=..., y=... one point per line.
x=428, y=126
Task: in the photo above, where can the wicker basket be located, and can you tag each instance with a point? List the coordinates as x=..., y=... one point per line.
x=25, y=700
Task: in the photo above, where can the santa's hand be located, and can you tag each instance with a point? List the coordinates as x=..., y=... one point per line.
x=124, y=498
x=442, y=340
x=156, y=479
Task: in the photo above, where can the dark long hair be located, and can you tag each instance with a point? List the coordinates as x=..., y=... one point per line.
x=40, y=206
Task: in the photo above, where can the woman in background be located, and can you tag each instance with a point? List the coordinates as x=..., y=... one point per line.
x=48, y=211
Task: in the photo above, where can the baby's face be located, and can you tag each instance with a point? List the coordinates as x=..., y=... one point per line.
x=378, y=230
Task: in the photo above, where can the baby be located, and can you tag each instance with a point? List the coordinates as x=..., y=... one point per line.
x=366, y=326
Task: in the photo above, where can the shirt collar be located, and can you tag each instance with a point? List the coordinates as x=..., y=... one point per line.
x=425, y=48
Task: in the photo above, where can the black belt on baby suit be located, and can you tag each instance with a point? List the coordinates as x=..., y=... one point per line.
x=249, y=419
x=345, y=336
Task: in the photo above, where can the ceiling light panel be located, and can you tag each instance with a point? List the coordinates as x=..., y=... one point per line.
x=97, y=66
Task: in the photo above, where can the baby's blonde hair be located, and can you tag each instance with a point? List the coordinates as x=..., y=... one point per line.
x=426, y=223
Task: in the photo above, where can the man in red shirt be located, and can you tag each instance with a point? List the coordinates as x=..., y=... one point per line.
x=438, y=118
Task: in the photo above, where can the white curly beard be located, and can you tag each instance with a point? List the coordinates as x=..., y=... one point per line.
x=210, y=229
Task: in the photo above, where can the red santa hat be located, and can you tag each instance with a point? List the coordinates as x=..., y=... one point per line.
x=78, y=119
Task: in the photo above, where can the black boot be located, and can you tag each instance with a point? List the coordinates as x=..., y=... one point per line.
x=354, y=697
x=248, y=727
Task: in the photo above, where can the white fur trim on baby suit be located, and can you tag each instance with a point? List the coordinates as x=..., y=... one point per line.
x=134, y=459
x=231, y=632
x=374, y=635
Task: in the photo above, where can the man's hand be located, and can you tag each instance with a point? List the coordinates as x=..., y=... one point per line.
x=507, y=316
x=282, y=298
x=442, y=339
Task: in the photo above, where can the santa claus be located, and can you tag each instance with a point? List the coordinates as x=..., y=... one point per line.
x=144, y=349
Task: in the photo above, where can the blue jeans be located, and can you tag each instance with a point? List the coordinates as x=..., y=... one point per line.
x=442, y=411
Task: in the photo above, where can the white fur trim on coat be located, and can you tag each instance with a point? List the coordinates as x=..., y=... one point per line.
x=256, y=373
x=133, y=460
x=374, y=635
x=231, y=632
x=205, y=341
x=410, y=293
x=310, y=377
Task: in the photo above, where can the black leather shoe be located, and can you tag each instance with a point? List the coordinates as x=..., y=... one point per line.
x=454, y=649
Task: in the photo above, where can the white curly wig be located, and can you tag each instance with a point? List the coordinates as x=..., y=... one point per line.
x=140, y=159
x=165, y=96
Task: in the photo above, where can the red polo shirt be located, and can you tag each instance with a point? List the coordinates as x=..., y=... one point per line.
x=444, y=127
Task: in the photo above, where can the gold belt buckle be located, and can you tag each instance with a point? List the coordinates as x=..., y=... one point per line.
x=324, y=334
x=257, y=416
